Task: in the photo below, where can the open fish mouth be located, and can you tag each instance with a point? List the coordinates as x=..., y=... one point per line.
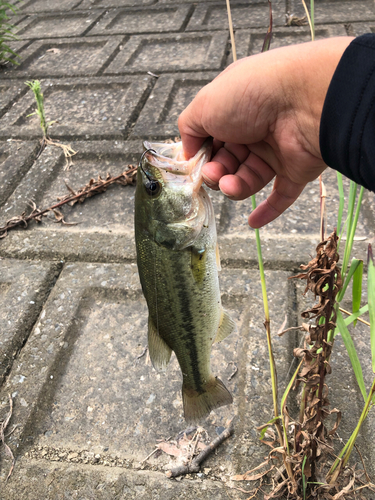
x=170, y=159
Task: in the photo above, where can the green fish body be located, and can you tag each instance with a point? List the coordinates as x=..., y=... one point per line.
x=178, y=267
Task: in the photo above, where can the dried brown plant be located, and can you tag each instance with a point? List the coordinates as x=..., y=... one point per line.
x=93, y=187
x=323, y=279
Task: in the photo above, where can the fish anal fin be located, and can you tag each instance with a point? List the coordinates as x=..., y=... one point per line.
x=226, y=327
x=198, y=405
x=160, y=352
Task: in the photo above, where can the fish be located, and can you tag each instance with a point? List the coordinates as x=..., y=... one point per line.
x=178, y=263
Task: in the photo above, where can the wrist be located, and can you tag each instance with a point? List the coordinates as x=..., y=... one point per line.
x=318, y=64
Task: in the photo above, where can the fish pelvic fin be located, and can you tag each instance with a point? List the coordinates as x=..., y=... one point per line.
x=198, y=405
x=226, y=327
x=160, y=352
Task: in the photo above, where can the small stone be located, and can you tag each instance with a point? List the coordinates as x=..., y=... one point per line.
x=72, y=455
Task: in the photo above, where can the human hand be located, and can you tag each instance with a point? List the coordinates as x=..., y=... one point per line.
x=264, y=113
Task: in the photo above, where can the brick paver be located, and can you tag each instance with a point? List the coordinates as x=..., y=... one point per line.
x=87, y=408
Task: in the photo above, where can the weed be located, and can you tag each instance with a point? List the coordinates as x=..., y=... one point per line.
x=36, y=87
x=7, y=54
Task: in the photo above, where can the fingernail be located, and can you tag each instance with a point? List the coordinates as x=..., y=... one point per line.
x=210, y=183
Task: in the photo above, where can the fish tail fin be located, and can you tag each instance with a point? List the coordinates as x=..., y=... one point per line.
x=198, y=405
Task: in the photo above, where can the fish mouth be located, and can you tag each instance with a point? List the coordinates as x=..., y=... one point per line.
x=169, y=159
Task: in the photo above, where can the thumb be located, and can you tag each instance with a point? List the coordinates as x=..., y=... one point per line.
x=284, y=193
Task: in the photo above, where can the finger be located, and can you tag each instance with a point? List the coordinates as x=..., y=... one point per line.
x=252, y=175
x=191, y=128
x=223, y=163
x=216, y=146
x=284, y=194
x=226, y=161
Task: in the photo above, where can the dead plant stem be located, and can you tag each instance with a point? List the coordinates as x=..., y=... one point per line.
x=81, y=196
x=234, y=52
x=358, y=319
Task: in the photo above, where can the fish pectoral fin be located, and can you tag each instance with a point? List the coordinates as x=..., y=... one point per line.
x=218, y=263
x=198, y=405
x=160, y=352
x=226, y=327
x=198, y=263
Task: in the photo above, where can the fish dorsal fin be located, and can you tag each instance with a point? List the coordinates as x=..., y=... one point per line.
x=160, y=353
x=218, y=263
x=226, y=327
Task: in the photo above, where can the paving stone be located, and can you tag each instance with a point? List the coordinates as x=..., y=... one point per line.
x=55, y=25
x=250, y=42
x=110, y=214
x=89, y=4
x=65, y=57
x=17, y=46
x=214, y=16
x=358, y=29
x=24, y=286
x=167, y=53
x=81, y=108
x=32, y=6
x=79, y=387
x=332, y=12
x=143, y=20
x=40, y=479
x=232, y=2
x=169, y=97
x=9, y=93
x=15, y=160
x=301, y=220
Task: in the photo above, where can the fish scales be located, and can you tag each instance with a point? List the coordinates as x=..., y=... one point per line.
x=177, y=262
x=185, y=320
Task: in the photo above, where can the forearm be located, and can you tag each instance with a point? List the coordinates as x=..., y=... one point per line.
x=347, y=129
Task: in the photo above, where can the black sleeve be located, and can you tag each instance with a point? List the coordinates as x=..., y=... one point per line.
x=347, y=127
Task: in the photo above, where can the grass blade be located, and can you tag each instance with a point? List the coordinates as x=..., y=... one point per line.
x=349, y=320
x=357, y=288
x=371, y=301
x=353, y=267
x=341, y=205
x=352, y=223
x=348, y=341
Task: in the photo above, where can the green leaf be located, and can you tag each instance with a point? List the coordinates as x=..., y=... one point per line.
x=352, y=224
x=304, y=477
x=349, y=222
x=348, y=341
x=357, y=288
x=353, y=267
x=287, y=390
x=371, y=301
x=349, y=320
x=265, y=426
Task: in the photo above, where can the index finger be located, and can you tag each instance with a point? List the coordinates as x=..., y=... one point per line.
x=191, y=129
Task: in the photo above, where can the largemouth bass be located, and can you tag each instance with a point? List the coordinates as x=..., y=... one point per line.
x=178, y=265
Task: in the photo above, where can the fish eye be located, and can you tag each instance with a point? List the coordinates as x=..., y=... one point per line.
x=152, y=187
